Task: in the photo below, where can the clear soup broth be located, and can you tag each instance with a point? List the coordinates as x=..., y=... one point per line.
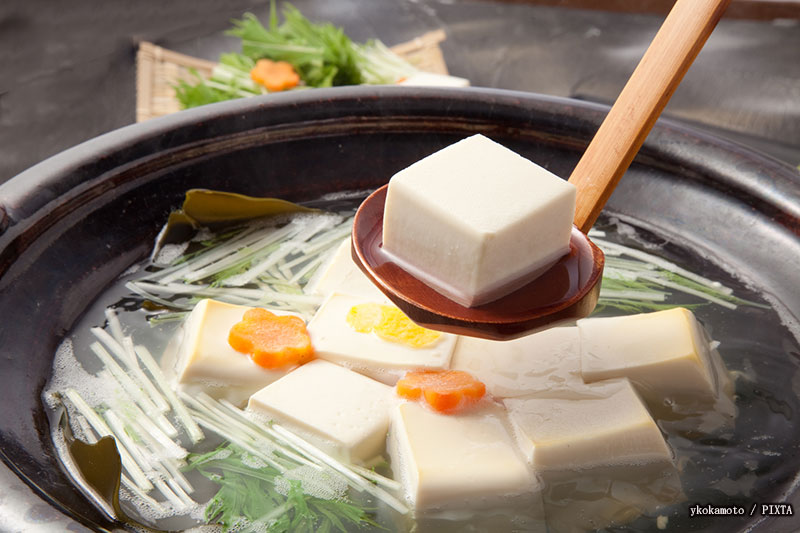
x=749, y=462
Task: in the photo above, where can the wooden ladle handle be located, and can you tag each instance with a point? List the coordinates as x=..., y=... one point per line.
x=641, y=101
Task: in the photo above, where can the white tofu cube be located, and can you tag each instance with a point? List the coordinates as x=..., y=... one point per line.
x=600, y=498
x=387, y=361
x=665, y=354
x=476, y=220
x=543, y=364
x=613, y=428
x=206, y=362
x=465, y=462
x=342, y=412
x=341, y=274
x=602, y=459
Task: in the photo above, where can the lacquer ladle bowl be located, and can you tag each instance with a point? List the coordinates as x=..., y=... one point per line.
x=570, y=289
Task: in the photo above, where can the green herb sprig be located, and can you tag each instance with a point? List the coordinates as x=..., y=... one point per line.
x=248, y=498
x=322, y=54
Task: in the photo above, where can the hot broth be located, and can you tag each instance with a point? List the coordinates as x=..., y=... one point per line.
x=753, y=461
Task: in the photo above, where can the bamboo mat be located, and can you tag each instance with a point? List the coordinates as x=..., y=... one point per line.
x=159, y=69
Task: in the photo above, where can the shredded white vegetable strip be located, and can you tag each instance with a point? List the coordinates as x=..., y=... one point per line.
x=167, y=493
x=260, y=266
x=325, y=240
x=610, y=248
x=87, y=430
x=124, y=380
x=119, y=431
x=150, y=455
x=183, y=269
x=377, y=478
x=689, y=290
x=159, y=442
x=184, y=498
x=155, y=472
x=124, y=353
x=142, y=496
x=207, y=415
x=176, y=289
x=133, y=365
x=114, y=324
x=206, y=409
x=102, y=429
x=248, y=250
x=358, y=481
x=648, y=296
x=285, y=249
x=309, y=267
x=181, y=413
x=230, y=414
x=171, y=470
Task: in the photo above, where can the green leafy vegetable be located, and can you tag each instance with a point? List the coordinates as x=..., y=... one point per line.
x=230, y=79
x=257, y=496
x=322, y=54
x=201, y=93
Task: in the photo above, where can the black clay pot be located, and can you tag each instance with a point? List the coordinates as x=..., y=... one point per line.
x=73, y=223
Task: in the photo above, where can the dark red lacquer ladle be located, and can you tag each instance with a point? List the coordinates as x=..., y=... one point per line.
x=570, y=289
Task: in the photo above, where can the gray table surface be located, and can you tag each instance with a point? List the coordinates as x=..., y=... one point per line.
x=67, y=74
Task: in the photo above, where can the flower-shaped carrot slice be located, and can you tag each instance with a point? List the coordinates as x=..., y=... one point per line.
x=274, y=75
x=446, y=391
x=272, y=341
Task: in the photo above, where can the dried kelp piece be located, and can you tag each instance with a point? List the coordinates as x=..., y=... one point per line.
x=217, y=209
x=97, y=470
x=207, y=208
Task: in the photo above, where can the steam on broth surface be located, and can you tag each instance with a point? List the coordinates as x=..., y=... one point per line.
x=716, y=460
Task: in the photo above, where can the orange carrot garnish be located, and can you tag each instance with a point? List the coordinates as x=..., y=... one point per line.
x=274, y=75
x=446, y=391
x=272, y=341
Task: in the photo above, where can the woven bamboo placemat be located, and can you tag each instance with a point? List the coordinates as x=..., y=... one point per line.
x=159, y=69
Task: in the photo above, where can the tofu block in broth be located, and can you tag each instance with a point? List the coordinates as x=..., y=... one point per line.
x=600, y=498
x=667, y=355
x=601, y=458
x=611, y=428
x=476, y=220
x=342, y=412
x=543, y=364
x=205, y=361
x=466, y=462
x=341, y=274
x=337, y=340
